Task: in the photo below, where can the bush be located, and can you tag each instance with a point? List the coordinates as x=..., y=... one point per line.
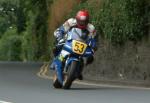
x=122, y=20
x=119, y=20
x=27, y=47
x=10, y=46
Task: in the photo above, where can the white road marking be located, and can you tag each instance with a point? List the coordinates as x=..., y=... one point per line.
x=43, y=71
x=4, y=102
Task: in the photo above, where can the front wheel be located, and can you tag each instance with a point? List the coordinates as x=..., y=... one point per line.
x=70, y=76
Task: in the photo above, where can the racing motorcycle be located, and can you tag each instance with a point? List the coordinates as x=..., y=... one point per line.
x=76, y=48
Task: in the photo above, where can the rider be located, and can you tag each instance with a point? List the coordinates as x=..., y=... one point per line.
x=80, y=21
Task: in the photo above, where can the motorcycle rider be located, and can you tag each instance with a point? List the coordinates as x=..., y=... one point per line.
x=80, y=21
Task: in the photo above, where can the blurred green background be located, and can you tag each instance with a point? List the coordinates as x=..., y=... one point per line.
x=26, y=26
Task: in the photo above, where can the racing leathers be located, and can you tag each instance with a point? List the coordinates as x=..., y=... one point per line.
x=60, y=34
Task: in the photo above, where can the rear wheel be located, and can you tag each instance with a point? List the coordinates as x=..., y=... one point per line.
x=70, y=76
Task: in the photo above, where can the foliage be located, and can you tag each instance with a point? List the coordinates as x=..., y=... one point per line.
x=10, y=46
x=119, y=20
x=124, y=21
x=7, y=17
x=37, y=13
x=29, y=17
x=25, y=33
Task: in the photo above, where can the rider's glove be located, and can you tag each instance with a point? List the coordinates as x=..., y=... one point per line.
x=58, y=35
x=92, y=44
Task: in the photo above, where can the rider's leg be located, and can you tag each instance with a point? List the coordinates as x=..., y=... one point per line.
x=58, y=69
x=58, y=65
x=56, y=51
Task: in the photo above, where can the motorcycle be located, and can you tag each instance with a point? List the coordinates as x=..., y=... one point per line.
x=76, y=49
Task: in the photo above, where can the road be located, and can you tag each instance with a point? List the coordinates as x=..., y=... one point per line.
x=19, y=83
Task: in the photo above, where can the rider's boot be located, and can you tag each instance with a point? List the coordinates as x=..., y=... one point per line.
x=80, y=77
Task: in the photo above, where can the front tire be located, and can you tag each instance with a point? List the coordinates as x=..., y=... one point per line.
x=70, y=76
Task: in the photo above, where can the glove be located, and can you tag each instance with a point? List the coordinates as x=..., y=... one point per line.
x=92, y=44
x=59, y=36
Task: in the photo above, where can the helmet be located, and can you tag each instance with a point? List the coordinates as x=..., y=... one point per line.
x=82, y=18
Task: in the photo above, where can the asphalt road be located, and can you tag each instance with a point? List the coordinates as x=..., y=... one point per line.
x=19, y=83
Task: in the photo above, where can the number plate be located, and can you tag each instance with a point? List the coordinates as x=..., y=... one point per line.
x=78, y=47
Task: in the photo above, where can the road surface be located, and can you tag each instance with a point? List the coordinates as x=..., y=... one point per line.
x=19, y=83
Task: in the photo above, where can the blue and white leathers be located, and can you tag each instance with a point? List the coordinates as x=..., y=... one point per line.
x=73, y=34
x=71, y=23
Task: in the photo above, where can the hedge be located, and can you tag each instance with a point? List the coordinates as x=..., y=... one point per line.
x=117, y=20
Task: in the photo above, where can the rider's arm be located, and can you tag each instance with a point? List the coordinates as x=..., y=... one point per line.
x=92, y=43
x=92, y=37
x=62, y=30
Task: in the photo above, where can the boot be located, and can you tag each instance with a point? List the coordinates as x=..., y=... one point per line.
x=80, y=77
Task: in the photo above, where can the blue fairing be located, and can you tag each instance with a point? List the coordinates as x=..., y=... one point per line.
x=68, y=47
x=75, y=57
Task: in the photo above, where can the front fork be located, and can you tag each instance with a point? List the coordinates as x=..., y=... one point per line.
x=79, y=68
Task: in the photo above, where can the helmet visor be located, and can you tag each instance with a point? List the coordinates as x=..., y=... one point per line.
x=82, y=22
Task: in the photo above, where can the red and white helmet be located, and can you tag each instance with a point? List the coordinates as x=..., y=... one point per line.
x=82, y=18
